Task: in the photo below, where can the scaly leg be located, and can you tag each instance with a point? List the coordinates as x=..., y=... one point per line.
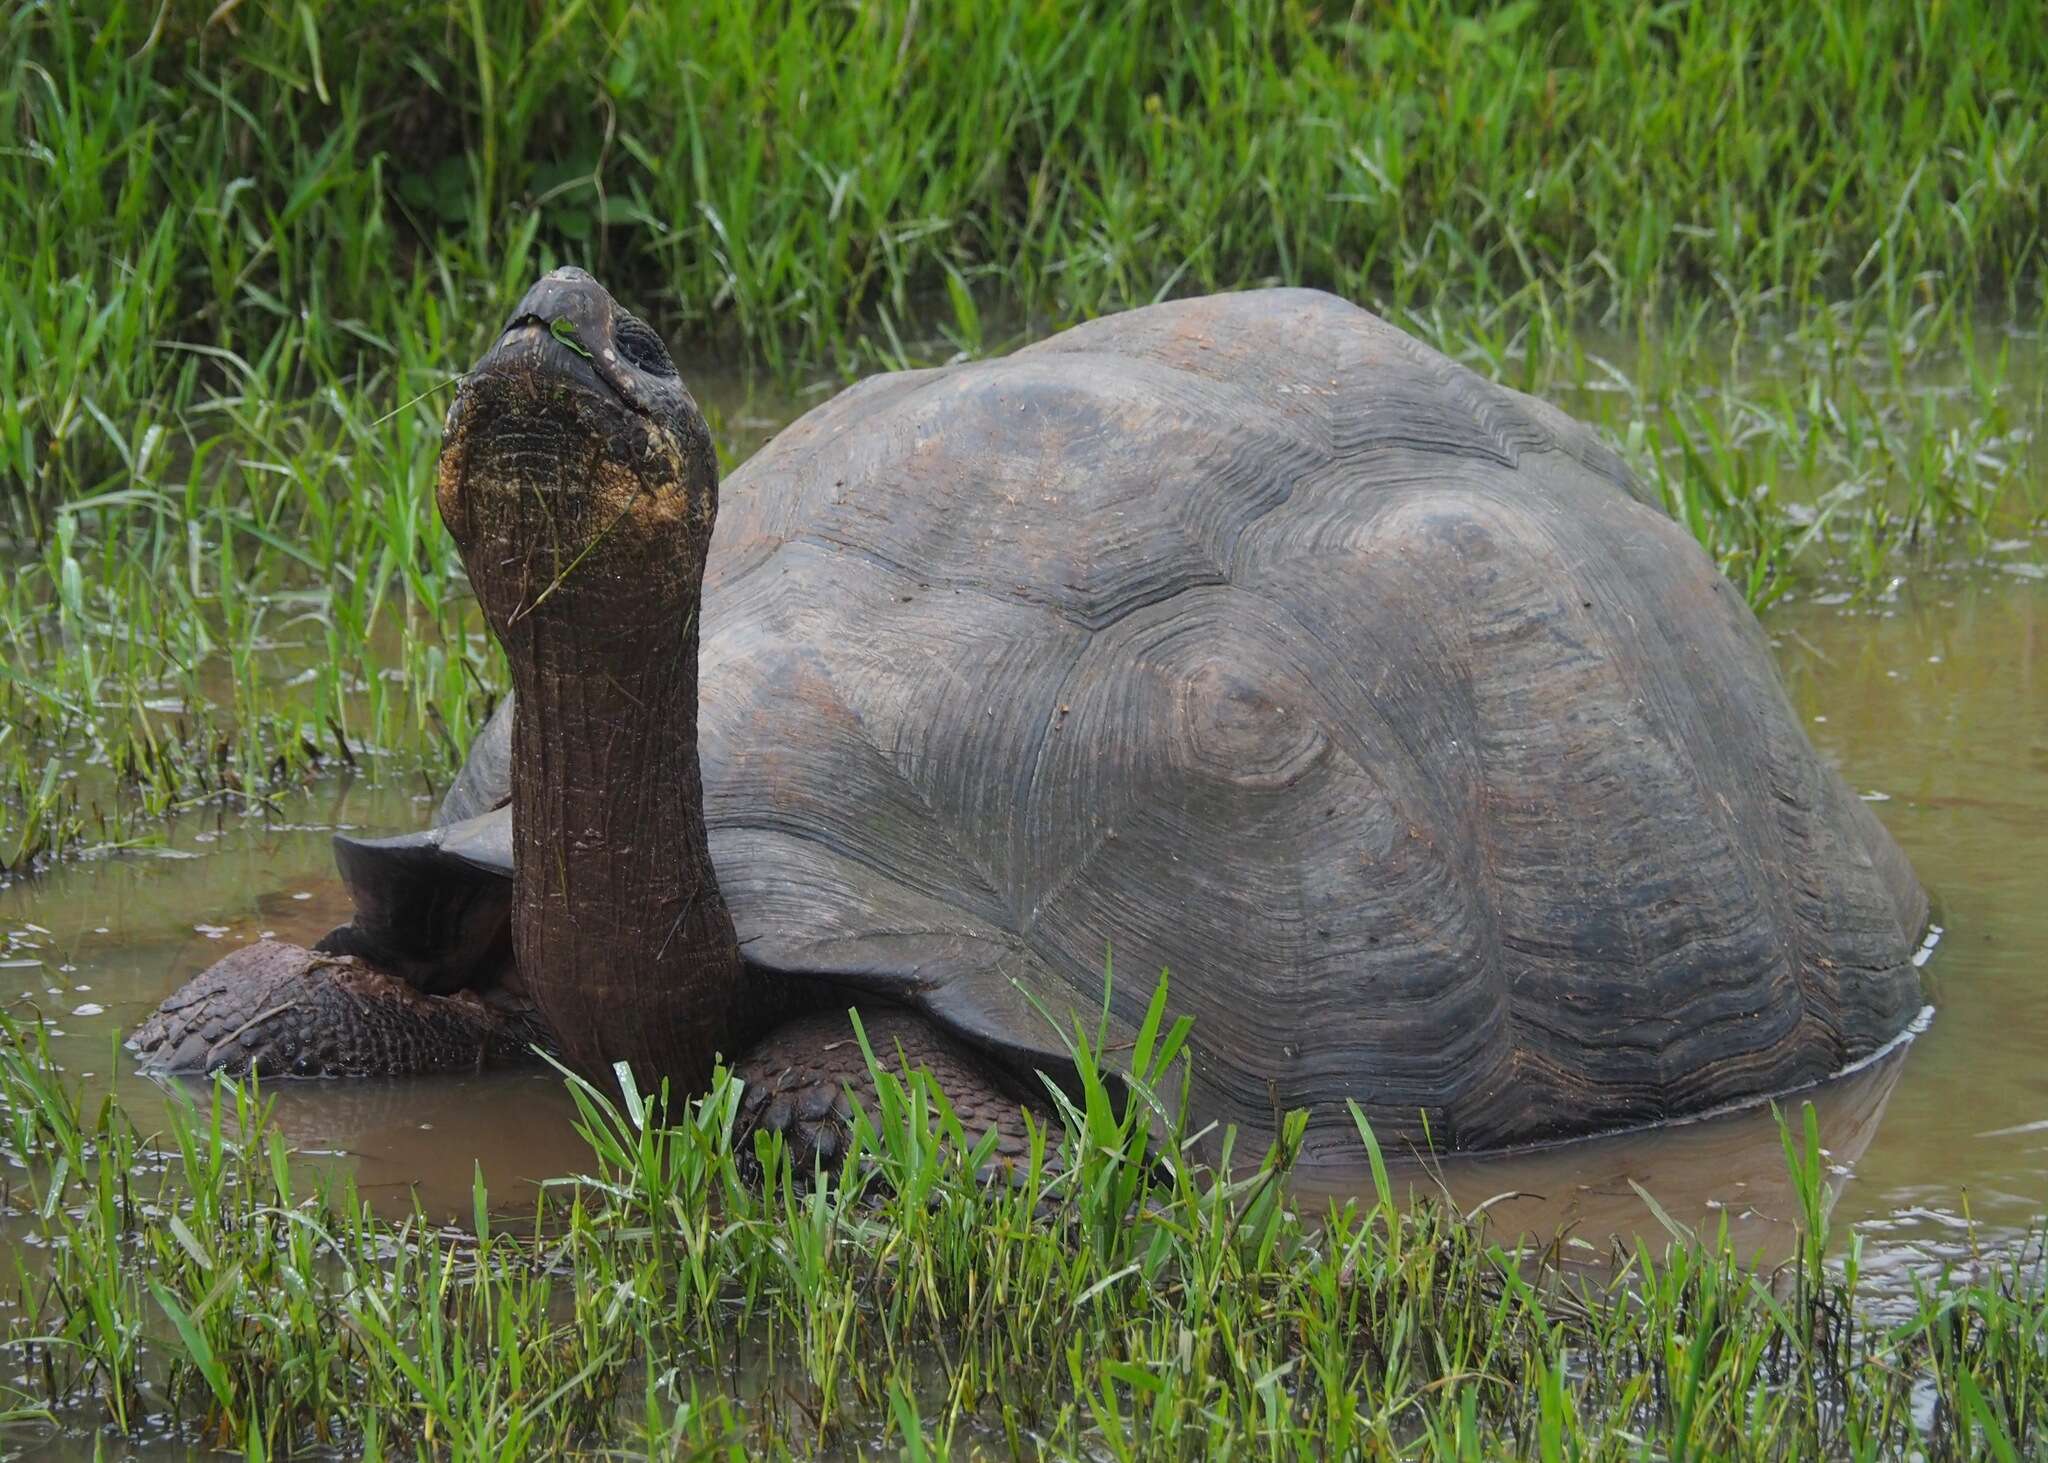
x=284, y=1011
x=801, y=1078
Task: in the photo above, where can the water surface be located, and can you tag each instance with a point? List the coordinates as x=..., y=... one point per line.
x=1934, y=703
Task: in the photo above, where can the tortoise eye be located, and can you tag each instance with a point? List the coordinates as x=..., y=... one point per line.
x=642, y=347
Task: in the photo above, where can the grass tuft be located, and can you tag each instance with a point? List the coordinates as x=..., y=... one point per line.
x=1114, y=1299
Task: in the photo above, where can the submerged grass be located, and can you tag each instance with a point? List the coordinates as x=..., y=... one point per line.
x=1118, y=1300
x=1788, y=256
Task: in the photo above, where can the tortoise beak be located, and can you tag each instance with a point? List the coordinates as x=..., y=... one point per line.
x=568, y=326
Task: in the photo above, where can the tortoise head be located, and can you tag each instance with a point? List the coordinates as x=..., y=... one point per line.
x=578, y=479
x=575, y=437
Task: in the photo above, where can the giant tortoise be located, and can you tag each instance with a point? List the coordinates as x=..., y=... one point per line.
x=1241, y=637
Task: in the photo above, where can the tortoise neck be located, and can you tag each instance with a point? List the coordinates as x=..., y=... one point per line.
x=619, y=929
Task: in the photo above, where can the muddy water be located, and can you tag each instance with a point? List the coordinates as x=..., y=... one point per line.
x=1934, y=704
x=95, y=945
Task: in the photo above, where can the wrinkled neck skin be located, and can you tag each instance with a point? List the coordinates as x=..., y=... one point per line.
x=614, y=896
x=585, y=535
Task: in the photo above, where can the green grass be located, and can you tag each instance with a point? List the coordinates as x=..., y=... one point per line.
x=1118, y=1301
x=1789, y=257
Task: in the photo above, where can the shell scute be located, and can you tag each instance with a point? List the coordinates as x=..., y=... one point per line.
x=1248, y=638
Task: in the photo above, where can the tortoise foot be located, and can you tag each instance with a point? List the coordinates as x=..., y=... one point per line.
x=283, y=1011
x=802, y=1079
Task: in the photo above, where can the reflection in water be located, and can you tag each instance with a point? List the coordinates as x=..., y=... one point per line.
x=1729, y=1169
x=1936, y=706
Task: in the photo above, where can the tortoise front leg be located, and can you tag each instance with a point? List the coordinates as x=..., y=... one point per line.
x=285, y=1011
x=802, y=1077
